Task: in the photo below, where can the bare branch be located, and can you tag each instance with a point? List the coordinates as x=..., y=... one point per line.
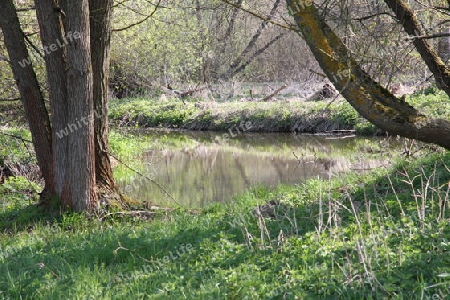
x=431, y=36
x=247, y=62
x=141, y=21
x=267, y=98
x=267, y=19
x=32, y=45
x=9, y=99
x=373, y=16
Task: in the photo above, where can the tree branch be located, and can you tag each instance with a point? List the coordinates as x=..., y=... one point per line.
x=373, y=16
x=141, y=21
x=431, y=36
x=368, y=97
x=9, y=99
x=248, y=61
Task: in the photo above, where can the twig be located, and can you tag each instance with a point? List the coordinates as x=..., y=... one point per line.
x=17, y=137
x=373, y=15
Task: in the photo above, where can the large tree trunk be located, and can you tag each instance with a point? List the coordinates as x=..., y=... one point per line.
x=100, y=21
x=79, y=187
x=74, y=156
x=369, y=98
x=32, y=99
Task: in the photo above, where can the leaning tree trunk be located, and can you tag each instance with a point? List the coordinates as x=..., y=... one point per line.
x=31, y=96
x=411, y=25
x=100, y=24
x=368, y=97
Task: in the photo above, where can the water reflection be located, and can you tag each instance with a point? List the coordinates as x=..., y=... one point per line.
x=211, y=172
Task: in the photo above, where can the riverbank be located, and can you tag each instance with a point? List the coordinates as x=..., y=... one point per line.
x=380, y=235
x=327, y=116
x=284, y=116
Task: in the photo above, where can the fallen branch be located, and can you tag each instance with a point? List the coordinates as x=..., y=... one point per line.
x=185, y=94
x=274, y=93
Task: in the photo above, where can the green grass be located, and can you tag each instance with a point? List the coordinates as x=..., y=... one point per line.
x=383, y=235
x=279, y=116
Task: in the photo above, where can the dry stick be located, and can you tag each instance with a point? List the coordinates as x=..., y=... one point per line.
x=148, y=178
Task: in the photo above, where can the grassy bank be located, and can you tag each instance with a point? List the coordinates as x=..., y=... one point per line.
x=285, y=116
x=382, y=235
x=278, y=116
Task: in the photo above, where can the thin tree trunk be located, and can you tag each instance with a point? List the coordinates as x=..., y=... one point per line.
x=230, y=27
x=31, y=96
x=368, y=97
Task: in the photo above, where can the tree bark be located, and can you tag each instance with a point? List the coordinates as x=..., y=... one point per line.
x=368, y=97
x=73, y=155
x=100, y=24
x=31, y=96
x=79, y=189
x=49, y=20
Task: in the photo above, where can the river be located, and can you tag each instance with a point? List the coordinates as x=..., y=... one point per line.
x=211, y=169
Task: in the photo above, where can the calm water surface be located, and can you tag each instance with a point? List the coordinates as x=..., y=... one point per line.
x=207, y=171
